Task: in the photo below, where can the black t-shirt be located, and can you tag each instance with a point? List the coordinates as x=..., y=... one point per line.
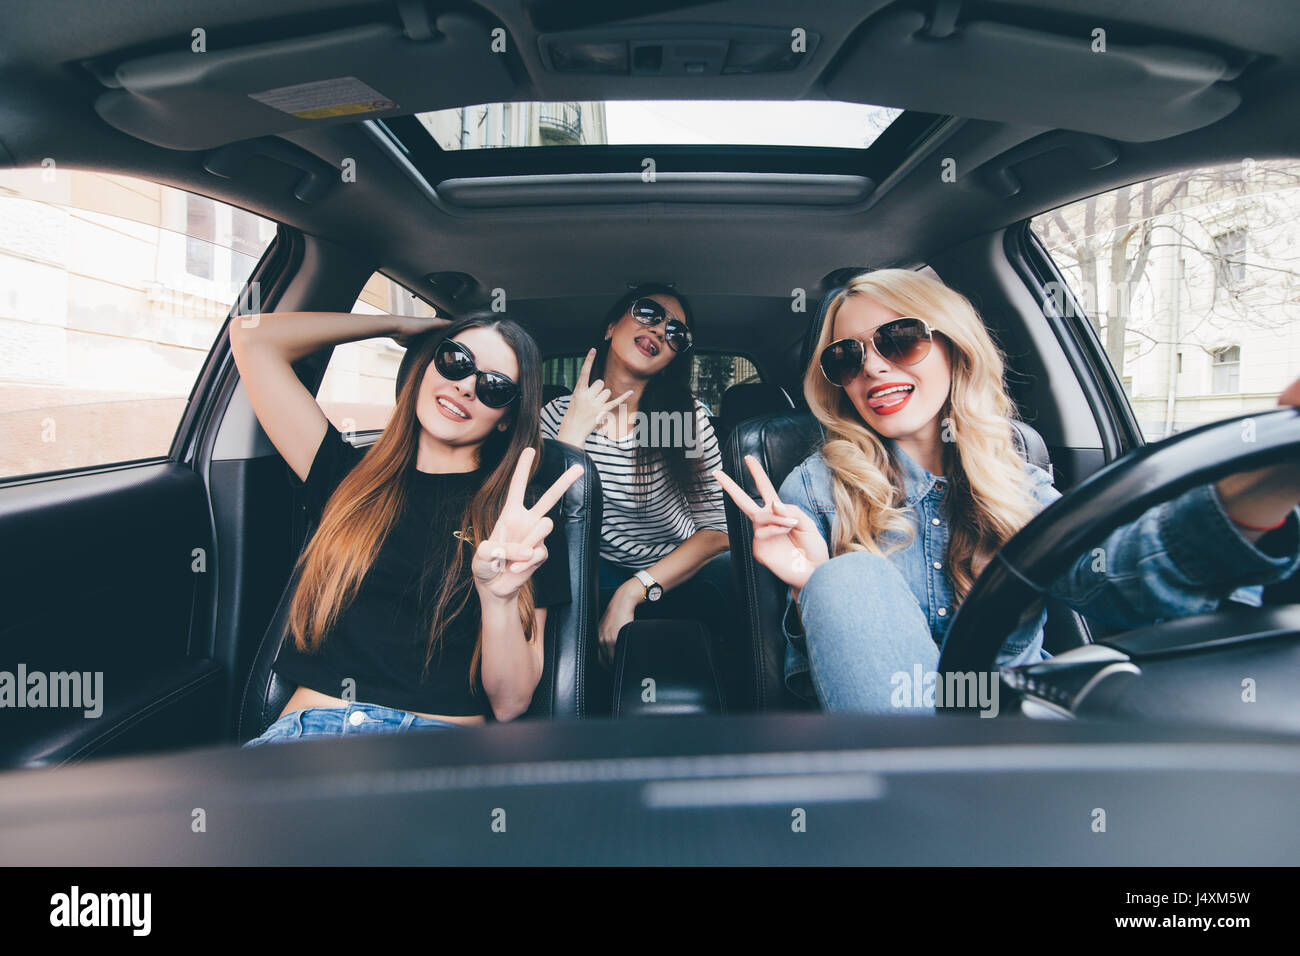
x=381, y=638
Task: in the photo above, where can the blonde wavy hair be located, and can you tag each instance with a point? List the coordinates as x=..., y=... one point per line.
x=989, y=498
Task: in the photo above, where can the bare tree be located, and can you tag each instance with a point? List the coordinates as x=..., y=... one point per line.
x=1187, y=211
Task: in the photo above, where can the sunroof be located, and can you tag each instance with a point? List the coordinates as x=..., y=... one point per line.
x=809, y=123
x=817, y=137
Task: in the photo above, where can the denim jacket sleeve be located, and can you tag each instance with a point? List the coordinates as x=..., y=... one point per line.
x=1181, y=557
x=798, y=489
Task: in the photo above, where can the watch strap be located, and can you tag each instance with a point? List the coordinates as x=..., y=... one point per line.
x=646, y=580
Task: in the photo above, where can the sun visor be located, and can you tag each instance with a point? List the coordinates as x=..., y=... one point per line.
x=993, y=71
x=187, y=100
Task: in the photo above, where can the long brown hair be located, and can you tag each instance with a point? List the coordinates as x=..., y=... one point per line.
x=363, y=509
x=989, y=498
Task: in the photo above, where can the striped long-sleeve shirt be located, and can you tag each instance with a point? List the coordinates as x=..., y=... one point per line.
x=642, y=522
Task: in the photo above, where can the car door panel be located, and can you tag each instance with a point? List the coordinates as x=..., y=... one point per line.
x=108, y=574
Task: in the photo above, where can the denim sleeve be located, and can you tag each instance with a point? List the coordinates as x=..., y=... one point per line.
x=1181, y=557
x=794, y=491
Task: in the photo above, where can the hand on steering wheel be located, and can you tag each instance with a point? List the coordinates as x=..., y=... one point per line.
x=1044, y=550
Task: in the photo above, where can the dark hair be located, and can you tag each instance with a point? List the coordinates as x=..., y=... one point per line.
x=669, y=391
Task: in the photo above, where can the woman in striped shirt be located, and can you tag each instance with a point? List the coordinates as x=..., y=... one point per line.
x=663, y=523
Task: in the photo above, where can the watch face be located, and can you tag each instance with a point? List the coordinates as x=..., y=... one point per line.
x=655, y=592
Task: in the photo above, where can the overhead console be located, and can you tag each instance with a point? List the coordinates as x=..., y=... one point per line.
x=680, y=50
x=197, y=100
x=959, y=59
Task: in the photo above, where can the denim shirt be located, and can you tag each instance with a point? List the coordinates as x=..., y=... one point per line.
x=1181, y=557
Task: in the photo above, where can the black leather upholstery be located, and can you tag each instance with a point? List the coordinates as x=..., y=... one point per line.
x=677, y=657
x=740, y=402
x=814, y=332
x=265, y=692
x=754, y=659
x=571, y=652
x=754, y=664
x=552, y=392
x=168, y=706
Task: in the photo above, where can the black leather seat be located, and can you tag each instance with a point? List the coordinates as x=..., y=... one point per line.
x=754, y=663
x=570, y=641
x=552, y=392
x=750, y=400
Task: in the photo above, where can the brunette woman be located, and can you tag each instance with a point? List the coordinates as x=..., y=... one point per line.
x=663, y=542
x=422, y=595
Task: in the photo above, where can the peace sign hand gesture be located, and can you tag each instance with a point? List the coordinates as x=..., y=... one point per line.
x=589, y=404
x=514, y=549
x=786, y=541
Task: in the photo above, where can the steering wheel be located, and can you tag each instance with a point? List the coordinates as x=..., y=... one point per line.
x=1010, y=586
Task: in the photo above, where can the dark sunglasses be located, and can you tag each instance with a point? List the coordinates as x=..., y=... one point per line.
x=453, y=362
x=650, y=313
x=903, y=341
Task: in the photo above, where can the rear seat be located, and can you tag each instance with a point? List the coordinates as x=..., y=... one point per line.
x=749, y=401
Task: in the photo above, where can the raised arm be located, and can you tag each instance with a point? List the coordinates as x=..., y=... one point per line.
x=265, y=346
x=589, y=403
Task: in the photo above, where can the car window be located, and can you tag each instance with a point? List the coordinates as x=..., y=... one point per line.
x=1190, y=281
x=357, y=392
x=712, y=373
x=112, y=292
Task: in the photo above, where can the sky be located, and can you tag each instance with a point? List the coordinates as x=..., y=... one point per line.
x=737, y=122
x=749, y=123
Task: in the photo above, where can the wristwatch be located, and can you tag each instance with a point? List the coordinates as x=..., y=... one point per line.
x=653, y=589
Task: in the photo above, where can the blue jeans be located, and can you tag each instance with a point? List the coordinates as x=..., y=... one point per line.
x=355, y=718
x=873, y=655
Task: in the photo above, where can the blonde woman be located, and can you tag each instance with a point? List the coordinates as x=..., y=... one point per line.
x=881, y=533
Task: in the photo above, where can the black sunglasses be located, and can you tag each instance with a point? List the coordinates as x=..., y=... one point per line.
x=903, y=341
x=650, y=313
x=454, y=361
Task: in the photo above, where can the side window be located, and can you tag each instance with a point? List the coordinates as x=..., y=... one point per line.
x=357, y=392
x=112, y=292
x=711, y=375
x=715, y=373
x=1190, y=282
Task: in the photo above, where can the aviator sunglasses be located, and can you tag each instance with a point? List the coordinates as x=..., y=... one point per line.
x=650, y=313
x=903, y=341
x=454, y=361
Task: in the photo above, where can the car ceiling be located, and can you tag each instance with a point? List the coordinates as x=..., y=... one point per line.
x=58, y=59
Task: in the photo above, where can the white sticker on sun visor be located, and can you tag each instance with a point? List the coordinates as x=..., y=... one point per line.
x=341, y=96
